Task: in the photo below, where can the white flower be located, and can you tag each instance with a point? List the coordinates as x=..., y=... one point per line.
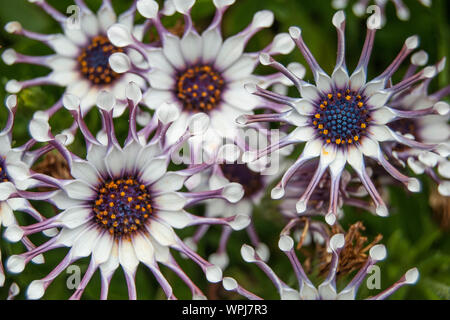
x=200, y=72
x=343, y=119
x=122, y=204
x=80, y=62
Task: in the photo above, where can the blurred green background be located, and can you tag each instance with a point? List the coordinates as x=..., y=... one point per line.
x=415, y=234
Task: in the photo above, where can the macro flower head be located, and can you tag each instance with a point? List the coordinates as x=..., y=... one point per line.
x=122, y=204
x=343, y=119
x=80, y=62
x=199, y=72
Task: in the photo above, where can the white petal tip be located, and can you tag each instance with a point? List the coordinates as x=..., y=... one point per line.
x=219, y=259
x=248, y=253
x=199, y=123
x=251, y=88
x=286, y=243
x=9, y=56
x=228, y=153
x=442, y=108
x=411, y=276
x=282, y=43
x=263, y=251
x=106, y=100
x=300, y=206
x=330, y=218
x=263, y=19
x=223, y=3
x=378, y=252
x=295, y=32
x=11, y=102
x=133, y=92
x=39, y=259
x=119, y=62
x=13, y=86
x=71, y=102
x=277, y=193
x=444, y=188
x=414, y=185
x=183, y=6
x=429, y=72
x=382, y=211
x=297, y=69
x=148, y=8
x=15, y=264
x=13, y=27
x=240, y=222
x=338, y=18
x=35, y=290
x=337, y=241
x=229, y=284
x=265, y=58
x=419, y=58
x=242, y=120
x=13, y=233
x=412, y=42
x=119, y=35
x=213, y=274
x=167, y=112
x=233, y=192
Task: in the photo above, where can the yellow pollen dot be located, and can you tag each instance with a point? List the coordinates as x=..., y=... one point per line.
x=322, y=106
x=320, y=126
x=360, y=104
x=111, y=204
x=350, y=141
x=330, y=96
x=113, y=216
x=363, y=125
x=328, y=140
x=325, y=131
x=356, y=138
x=317, y=116
x=338, y=141
x=122, y=194
x=130, y=199
x=339, y=95
x=348, y=98
x=315, y=123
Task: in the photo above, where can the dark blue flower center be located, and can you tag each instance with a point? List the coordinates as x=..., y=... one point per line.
x=341, y=118
x=240, y=173
x=122, y=206
x=94, y=61
x=3, y=174
x=199, y=88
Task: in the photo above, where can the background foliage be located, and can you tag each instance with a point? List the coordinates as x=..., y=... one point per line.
x=414, y=234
